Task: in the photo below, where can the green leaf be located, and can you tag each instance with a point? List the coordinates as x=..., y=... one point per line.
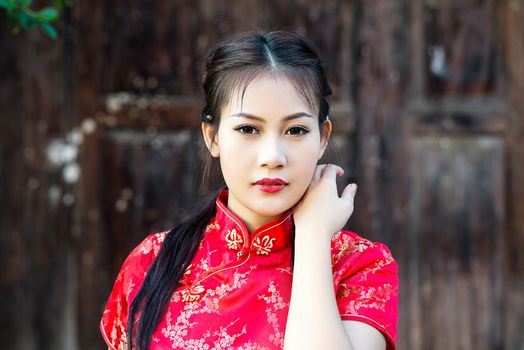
x=7, y=4
x=49, y=30
x=24, y=19
x=21, y=16
x=49, y=14
x=24, y=3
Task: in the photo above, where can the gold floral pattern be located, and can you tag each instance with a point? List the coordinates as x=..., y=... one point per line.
x=275, y=302
x=263, y=245
x=213, y=226
x=152, y=244
x=369, y=297
x=191, y=294
x=234, y=239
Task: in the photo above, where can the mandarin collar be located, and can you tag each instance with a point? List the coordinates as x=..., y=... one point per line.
x=268, y=238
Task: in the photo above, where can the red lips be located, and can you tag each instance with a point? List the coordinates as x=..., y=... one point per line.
x=271, y=185
x=270, y=182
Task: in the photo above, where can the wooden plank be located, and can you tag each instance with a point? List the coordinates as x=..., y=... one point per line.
x=37, y=201
x=381, y=136
x=512, y=46
x=94, y=279
x=457, y=224
x=459, y=115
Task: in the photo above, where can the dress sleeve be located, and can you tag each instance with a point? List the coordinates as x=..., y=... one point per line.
x=113, y=325
x=366, y=283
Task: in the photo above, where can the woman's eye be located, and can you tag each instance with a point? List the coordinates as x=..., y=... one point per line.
x=297, y=131
x=246, y=129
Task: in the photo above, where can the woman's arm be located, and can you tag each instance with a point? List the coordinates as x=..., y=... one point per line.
x=314, y=320
x=362, y=333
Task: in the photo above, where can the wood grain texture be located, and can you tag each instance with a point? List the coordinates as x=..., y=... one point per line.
x=36, y=207
x=456, y=211
x=512, y=47
x=438, y=157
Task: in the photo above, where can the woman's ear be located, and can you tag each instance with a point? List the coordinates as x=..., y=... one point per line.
x=208, y=132
x=325, y=133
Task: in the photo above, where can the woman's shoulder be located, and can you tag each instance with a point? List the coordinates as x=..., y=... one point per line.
x=349, y=247
x=365, y=276
x=150, y=245
x=143, y=255
x=128, y=282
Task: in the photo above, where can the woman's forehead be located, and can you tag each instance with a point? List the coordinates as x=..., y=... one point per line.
x=268, y=92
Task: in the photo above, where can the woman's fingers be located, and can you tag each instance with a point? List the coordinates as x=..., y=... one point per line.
x=331, y=167
x=329, y=172
x=322, y=199
x=349, y=192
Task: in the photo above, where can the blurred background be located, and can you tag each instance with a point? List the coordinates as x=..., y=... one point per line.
x=99, y=140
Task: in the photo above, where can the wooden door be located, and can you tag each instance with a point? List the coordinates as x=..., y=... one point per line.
x=440, y=152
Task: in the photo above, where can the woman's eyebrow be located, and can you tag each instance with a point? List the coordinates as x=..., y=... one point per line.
x=289, y=117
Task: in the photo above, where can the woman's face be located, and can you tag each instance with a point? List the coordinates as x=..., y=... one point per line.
x=274, y=134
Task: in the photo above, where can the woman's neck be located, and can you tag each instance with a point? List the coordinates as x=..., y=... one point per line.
x=251, y=219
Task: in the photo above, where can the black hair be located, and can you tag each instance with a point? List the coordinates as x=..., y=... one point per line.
x=230, y=66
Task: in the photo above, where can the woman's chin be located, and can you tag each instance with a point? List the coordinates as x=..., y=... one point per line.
x=274, y=212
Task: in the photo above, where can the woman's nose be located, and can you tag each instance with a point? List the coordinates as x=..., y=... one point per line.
x=272, y=153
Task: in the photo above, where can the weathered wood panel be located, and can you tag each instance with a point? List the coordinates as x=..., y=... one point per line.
x=512, y=51
x=382, y=136
x=159, y=47
x=36, y=198
x=145, y=185
x=456, y=228
x=460, y=41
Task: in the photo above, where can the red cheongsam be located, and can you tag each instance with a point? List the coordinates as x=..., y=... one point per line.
x=235, y=293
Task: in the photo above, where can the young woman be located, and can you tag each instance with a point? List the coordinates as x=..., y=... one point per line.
x=264, y=264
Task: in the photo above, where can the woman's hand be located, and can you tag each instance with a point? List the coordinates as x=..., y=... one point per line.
x=321, y=209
